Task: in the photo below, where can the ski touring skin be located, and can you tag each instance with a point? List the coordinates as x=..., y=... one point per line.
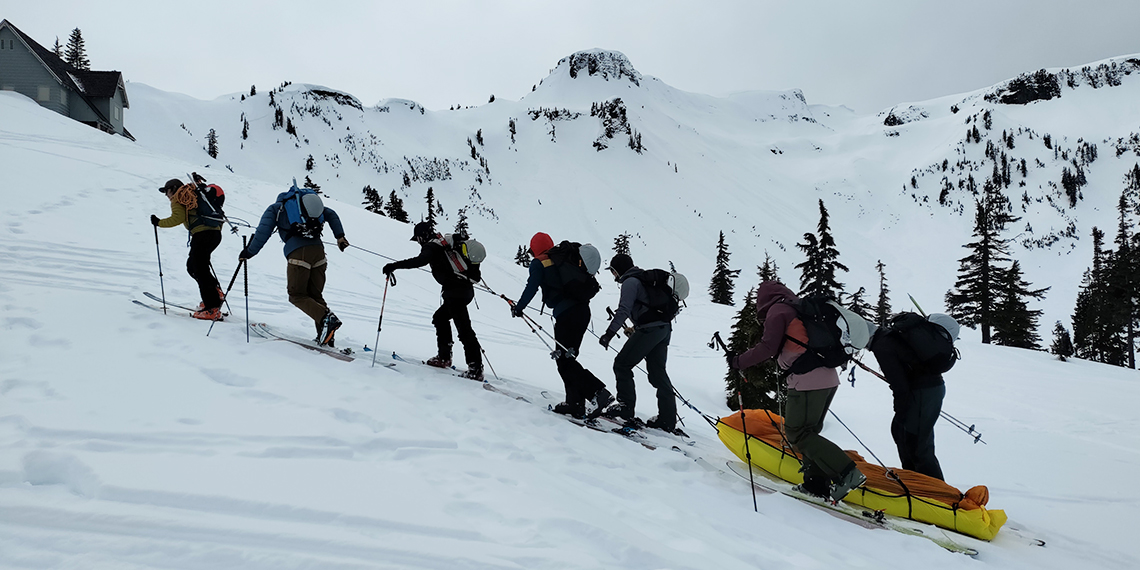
x=174, y=310
x=856, y=515
x=452, y=371
x=264, y=331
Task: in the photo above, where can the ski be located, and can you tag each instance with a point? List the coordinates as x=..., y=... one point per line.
x=170, y=310
x=498, y=390
x=856, y=515
x=158, y=299
x=594, y=424
x=264, y=331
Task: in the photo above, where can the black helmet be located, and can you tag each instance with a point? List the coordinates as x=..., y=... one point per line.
x=621, y=263
x=423, y=232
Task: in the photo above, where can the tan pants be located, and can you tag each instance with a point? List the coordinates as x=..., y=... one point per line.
x=306, y=280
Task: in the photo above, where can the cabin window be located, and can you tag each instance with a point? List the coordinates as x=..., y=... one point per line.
x=43, y=94
x=63, y=96
x=115, y=113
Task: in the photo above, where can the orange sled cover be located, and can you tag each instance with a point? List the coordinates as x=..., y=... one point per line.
x=896, y=492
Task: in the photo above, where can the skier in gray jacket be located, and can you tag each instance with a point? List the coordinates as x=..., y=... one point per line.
x=649, y=342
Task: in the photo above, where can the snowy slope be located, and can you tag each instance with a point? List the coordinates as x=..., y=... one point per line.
x=129, y=439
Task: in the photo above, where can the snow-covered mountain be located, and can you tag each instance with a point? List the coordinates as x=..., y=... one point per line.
x=898, y=184
x=129, y=439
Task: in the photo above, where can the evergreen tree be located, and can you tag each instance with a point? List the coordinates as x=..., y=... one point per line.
x=252, y=90
x=768, y=271
x=462, y=227
x=395, y=208
x=764, y=382
x=523, y=256
x=1096, y=321
x=430, y=198
x=244, y=129
x=1124, y=275
x=1014, y=324
x=479, y=137
x=212, y=144
x=817, y=275
x=76, y=52
x=312, y=185
x=857, y=303
x=621, y=244
x=372, y=201
x=721, y=286
x=883, y=307
x=309, y=162
x=57, y=49
x=1062, y=343
x=972, y=300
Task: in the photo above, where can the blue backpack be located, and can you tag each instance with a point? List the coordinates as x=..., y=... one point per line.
x=296, y=215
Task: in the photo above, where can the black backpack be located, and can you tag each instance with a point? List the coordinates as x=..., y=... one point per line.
x=210, y=200
x=933, y=348
x=566, y=276
x=825, y=347
x=663, y=304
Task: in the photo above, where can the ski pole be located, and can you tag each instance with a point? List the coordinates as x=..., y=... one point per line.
x=383, y=300
x=224, y=301
x=245, y=277
x=953, y=420
x=161, y=285
x=747, y=452
x=227, y=293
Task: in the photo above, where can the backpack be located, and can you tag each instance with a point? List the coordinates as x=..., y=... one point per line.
x=825, y=346
x=567, y=276
x=463, y=252
x=210, y=200
x=665, y=291
x=933, y=348
x=294, y=215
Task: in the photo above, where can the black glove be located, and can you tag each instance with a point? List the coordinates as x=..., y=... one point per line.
x=342, y=243
x=606, y=338
x=517, y=311
x=154, y=220
x=244, y=255
x=730, y=357
x=388, y=269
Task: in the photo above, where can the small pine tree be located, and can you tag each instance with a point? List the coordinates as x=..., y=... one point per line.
x=244, y=129
x=309, y=162
x=621, y=243
x=372, y=201
x=1014, y=323
x=395, y=208
x=857, y=303
x=212, y=144
x=430, y=199
x=461, y=226
x=721, y=286
x=492, y=100
x=883, y=307
x=252, y=90
x=312, y=185
x=523, y=256
x=479, y=137
x=1062, y=343
x=768, y=271
x=76, y=52
x=57, y=49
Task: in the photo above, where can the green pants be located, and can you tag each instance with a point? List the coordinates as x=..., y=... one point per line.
x=306, y=280
x=804, y=413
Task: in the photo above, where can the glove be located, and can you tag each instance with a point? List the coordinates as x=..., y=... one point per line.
x=154, y=220
x=342, y=243
x=517, y=310
x=606, y=338
x=388, y=269
x=244, y=255
x=730, y=357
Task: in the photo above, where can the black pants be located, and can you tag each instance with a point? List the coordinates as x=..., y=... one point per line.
x=202, y=244
x=913, y=429
x=652, y=345
x=454, y=308
x=569, y=328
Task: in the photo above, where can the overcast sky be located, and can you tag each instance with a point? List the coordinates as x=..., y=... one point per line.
x=867, y=55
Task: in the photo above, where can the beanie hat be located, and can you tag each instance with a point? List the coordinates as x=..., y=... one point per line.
x=172, y=184
x=423, y=232
x=540, y=243
x=621, y=263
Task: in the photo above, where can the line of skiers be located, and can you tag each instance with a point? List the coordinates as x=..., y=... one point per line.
x=912, y=351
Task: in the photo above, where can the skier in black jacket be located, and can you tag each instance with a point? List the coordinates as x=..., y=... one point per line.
x=918, y=392
x=457, y=293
